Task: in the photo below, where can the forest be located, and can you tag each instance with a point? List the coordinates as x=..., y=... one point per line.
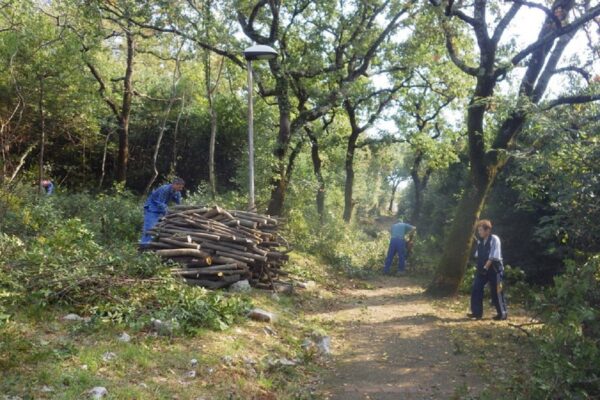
x=437, y=113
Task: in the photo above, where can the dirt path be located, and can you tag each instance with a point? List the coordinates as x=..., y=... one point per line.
x=391, y=342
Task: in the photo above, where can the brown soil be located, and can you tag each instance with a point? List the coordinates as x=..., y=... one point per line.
x=392, y=342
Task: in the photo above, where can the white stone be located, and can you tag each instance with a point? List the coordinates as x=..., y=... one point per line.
x=46, y=389
x=98, y=392
x=307, y=285
x=194, y=363
x=124, y=337
x=72, y=317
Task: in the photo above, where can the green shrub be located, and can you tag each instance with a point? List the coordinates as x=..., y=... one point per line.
x=568, y=365
x=23, y=213
x=185, y=308
x=344, y=246
x=424, y=260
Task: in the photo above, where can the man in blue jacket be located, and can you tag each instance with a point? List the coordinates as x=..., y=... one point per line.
x=397, y=245
x=156, y=206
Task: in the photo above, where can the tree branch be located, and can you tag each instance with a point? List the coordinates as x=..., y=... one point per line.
x=102, y=89
x=590, y=15
x=508, y=17
x=577, y=99
x=366, y=59
x=572, y=68
x=457, y=61
x=203, y=45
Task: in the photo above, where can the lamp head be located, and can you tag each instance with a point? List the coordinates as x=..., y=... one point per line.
x=259, y=52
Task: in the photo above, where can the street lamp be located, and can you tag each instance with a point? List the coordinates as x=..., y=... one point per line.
x=257, y=52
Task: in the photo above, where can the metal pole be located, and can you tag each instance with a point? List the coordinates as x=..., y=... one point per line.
x=250, y=140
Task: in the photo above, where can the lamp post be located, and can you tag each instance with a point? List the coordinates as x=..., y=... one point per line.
x=257, y=52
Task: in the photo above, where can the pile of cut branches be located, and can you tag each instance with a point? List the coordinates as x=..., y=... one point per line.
x=217, y=247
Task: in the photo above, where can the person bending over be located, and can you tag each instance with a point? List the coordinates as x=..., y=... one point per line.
x=156, y=206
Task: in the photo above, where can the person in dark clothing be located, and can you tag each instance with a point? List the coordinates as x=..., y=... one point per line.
x=156, y=206
x=398, y=233
x=489, y=269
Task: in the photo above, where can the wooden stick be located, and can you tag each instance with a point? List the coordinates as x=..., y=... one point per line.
x=182, y=252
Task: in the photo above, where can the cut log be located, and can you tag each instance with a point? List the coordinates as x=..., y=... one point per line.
x=182, y=253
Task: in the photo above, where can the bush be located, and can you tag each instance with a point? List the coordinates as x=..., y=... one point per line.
x=568, y=366
x=187, y=309
x=344, y=246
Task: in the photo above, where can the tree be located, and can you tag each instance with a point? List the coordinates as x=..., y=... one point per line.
x=489, y=143
x=374, y=103
x=44, y=96
x=121, y=113
x=351, y=46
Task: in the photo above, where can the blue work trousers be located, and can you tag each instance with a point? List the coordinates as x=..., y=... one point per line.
x=495, y=280
x=150, y=219
x=397, y=246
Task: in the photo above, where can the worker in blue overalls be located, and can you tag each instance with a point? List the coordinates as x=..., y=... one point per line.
x=489, y=269
x=48, y=186
x=156, y=206
x=397, y=246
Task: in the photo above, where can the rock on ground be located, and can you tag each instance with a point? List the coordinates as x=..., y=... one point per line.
x=258, y=314
x=98, y=392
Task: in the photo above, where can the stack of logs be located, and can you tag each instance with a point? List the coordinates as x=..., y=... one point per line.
x=217, y=247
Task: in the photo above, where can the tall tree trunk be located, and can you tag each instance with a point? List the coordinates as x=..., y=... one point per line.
x=279, y=182
x=393, y=195
x=457, y=246
x=420, y=183
x=213, y=140
x=42, y=136
x=173, y=169
x=210, y=89
x=123, y=129
x=207, y=21
x=104, y=153
x=316, y=160
x=349, y=167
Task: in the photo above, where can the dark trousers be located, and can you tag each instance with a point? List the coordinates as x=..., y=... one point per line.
x=495, y=280
x=397, y=246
